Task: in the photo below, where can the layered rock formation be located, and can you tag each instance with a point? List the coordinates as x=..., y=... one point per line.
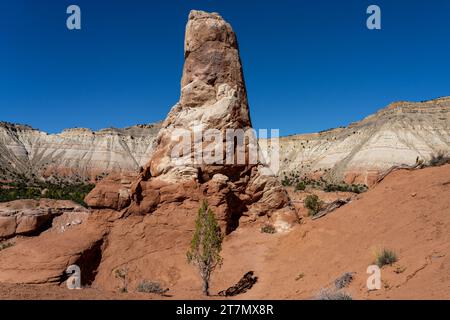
x=142, y=223
x=30, y=217
x=400, y=134
x=74, y=154
x=213, y=96
x=43, y=259
x=359, y=153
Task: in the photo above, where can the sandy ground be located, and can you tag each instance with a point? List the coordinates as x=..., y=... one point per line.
x=408, y=212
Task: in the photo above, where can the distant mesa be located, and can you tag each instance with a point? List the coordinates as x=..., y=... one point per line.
x=359, y=153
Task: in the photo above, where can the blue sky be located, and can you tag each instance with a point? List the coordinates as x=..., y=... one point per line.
x=308, y=65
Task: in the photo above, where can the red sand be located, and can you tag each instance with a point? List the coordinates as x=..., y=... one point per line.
x=408, y=212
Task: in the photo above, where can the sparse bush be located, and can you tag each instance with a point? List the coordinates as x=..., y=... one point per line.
x=286, y=182
x=300, y=186
x=344, y=187
x=267, y=228
x=439, y=159
x=313, y=204
x=151, y=287
x=5, y=245
x=206, y=245
x=23, y=189
x=326, y=294
x=344, y=280
x=301, y=182
x=386, y=257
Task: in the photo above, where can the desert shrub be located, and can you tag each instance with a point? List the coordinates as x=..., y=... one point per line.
x=151, y=287
x=344, y=280
x=267, y=228
x=206, y=245
x=439, y=159
x=359, y=188
x=5, y=245
x=300, y=186
x=326, y=294
x=301, y=182
x=61, y=191
x=344, y=187
x=286, y=182
x=74, y=192
x=122, y=275
x=19, y=192
x=386, y=257
x=313, y=204
x=330, y=188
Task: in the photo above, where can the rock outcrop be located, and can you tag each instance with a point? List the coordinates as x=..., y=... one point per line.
x=31, y=217
x=44, y=259
x=213, y=96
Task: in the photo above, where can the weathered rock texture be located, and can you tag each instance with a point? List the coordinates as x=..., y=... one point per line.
x=213, y=96
x=44, y=259
x=74, y=154
x=31, y=217
x=397, y=135
x=359, y=153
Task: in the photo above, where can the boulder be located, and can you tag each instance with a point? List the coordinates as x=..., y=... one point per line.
x=31, y=217
x=112, y=192
x=44, y=259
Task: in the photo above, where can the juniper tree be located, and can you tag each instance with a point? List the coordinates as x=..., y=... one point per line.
x=206, y=245
x=313, y=204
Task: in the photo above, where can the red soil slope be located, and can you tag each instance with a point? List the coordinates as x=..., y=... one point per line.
x=408, y=212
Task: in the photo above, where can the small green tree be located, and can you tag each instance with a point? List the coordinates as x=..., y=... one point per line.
x=300, y=186
x=313, y=204
x=206, y=245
